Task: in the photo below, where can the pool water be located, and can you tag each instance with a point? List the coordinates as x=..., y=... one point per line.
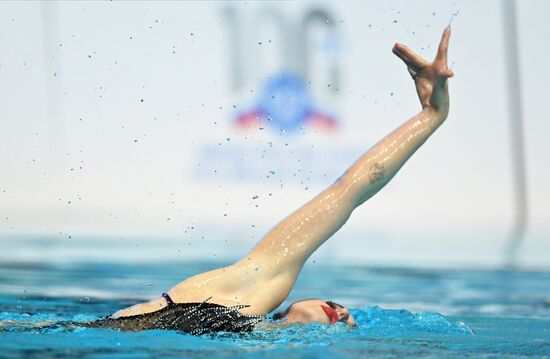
x=400, y=312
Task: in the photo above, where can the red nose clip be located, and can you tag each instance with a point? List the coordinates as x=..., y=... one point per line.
x=331, y=313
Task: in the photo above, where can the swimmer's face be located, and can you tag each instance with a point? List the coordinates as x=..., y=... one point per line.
x=316, y=310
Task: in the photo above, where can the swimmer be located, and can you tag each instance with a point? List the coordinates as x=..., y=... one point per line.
x=237, y=297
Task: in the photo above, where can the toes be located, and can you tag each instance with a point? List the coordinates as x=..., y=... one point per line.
x=444, y=45
x=409, y=57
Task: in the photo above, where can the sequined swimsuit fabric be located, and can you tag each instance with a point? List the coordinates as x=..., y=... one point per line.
x=192, y=318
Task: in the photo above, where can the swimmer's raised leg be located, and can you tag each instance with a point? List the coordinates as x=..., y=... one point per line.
x=264, y=278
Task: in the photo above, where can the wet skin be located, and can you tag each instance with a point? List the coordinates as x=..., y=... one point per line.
x=318, y=311
x=264, y=277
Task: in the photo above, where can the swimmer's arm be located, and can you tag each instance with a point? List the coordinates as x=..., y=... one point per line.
x=280, y=255
x=264, y=278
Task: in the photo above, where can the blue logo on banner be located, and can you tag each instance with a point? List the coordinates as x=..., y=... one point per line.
x=286, y=103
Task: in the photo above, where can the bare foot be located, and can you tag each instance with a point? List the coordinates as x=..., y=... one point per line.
x=430, y=78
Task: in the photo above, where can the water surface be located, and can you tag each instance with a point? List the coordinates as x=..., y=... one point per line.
x=400, y=311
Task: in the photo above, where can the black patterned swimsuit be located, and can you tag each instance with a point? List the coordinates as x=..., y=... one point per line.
x=192, y=318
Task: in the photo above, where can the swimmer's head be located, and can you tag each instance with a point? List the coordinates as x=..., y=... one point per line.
x=315, y=310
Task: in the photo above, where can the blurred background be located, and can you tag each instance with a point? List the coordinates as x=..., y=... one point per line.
x=151, y=131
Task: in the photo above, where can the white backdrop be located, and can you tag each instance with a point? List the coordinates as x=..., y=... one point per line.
x=118, y=126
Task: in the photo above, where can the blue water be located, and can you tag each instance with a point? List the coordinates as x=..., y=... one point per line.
x=400, y=312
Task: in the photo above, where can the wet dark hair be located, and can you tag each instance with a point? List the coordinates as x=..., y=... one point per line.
x=334, y=305
x=280, y=315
